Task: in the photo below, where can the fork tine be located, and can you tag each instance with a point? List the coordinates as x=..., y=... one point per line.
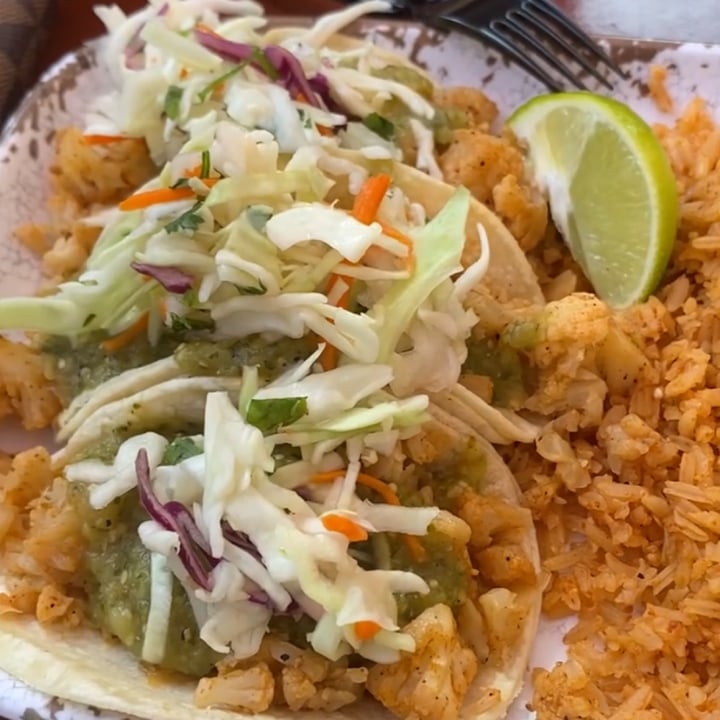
x=513, y=27
x=508, y=48
x=537, y=23
x=551, y=11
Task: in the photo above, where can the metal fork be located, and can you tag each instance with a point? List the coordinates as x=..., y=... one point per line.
x=529, y=32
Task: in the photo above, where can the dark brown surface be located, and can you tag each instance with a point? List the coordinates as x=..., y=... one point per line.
x=74, y=21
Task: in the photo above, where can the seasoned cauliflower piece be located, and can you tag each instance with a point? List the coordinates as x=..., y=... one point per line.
x=505, y=614
x=128, y=165
x=523, y=209
x=340, y=687
x=479, y=162
x=478, y=108
x=431, y=683
x=505, y=565
x=250, y=689
x=24, y=390
x=580, y=318
x=491, y=520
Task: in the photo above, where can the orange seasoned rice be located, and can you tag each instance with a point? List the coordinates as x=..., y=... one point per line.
x=626, y=496
x=41, y=542
x=657, y=80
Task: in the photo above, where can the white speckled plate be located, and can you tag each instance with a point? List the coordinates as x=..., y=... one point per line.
x=62, y=95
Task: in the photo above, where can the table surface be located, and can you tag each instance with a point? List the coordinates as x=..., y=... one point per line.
x=651, y=19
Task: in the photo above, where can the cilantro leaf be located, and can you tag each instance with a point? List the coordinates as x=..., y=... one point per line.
x=195, y=321
x=269, y=415
x=210, y=88
x=189, y=220
x=379, y=125
x=181, y=448
x=205, y=166
x=171, y=106
x=258, y=289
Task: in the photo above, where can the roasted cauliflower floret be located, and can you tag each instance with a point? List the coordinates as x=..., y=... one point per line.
x=430, y=683
x=579, y=318
x=505, y=565
x=491, y=520
x=24, y=390
x=505, y=613
x=250, y=689
x=523, y=209
x=479, y=162
x=479, y=110
x=128, y=166
x=337, y=687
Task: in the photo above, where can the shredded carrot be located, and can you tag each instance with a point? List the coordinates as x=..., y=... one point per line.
x=141, y=200
x=194, y=172
x=120, y=340
x=325, y=130
x=153, y=197
x=329, y=356
x=413, y=545
x=300, y=97
x=366, y=629
x=367, y=201
x=107, y=139
x=183, y=73
x=404, y=239
x=345, y=526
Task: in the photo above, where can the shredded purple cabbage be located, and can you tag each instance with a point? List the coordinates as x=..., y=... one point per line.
x=136, y=44
x=239, y=539
x=305, y=492
x=172, y=279
x=194, y=552
x=226, y=49
x=290, y=73
x=321, y=86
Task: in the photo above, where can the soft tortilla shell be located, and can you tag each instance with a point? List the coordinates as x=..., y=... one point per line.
x=79, y=665
x=509, y=278
x=121, y=386
x=168, y=403
x=500, y=483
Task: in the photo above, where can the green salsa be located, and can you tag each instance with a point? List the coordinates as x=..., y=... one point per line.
x=117, y=583
x=206, y=357
x=295, y=630
x=395, y=112
x=83, y=366
x=444, y=570
x=504, y=365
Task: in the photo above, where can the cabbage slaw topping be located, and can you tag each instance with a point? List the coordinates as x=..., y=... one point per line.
x=245, y=226
x=266, y=252
x=245, y=545
x=245, y=538
x=175, y=63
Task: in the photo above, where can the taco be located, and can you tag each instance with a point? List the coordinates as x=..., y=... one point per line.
x=196, y=287
x=172, y=284
x=282, y=548
x=265, y=340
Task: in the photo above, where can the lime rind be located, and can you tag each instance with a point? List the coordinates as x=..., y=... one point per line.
x=557, y=155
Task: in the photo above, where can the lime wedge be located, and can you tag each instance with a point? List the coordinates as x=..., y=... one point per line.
x=611, y=189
